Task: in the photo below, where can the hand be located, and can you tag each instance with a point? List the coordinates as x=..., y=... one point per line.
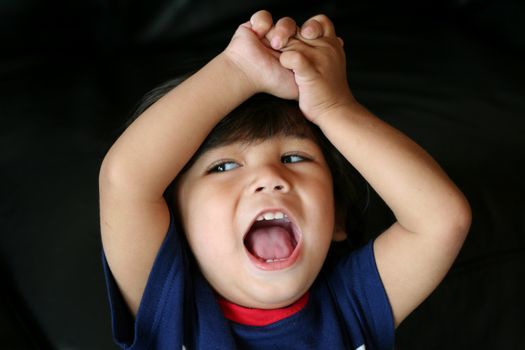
x=253, y=49
x=317, y=59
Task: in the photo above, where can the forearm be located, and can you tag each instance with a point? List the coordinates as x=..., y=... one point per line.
x=420, y=194
x=155, y=147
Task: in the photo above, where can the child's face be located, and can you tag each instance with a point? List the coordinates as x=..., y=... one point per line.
x=222, y=200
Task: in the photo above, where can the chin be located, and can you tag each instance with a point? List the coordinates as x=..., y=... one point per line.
x=274, y=297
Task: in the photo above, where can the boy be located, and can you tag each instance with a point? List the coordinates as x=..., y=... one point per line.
x=259, y=214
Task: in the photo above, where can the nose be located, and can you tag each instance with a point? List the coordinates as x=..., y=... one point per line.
x=270, y=179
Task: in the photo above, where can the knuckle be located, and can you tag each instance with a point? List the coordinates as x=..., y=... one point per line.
x=322, y=18
x=263, y=14
x=286, y=24
x=285, y=20
x=298, y=59
x=325, y=22
x=312, y=29
x=262, y=17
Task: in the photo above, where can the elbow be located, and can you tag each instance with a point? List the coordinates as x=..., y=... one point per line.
x=460, y=219
x=125, y=176
x=110, y=174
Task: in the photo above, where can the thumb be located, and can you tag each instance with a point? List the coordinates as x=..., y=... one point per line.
x=297, y=62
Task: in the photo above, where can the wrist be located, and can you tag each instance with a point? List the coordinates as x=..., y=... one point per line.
x=234, y=70
x=215, y=90
x=344, y=108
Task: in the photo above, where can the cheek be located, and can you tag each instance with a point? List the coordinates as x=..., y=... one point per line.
x=322, y=191
x=195, y=219
x=205, y=216
x=188, y=208
x=192, y=204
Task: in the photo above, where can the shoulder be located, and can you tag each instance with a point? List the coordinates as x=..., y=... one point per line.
x=162, y=300
x=352, y=267
x=356, y=288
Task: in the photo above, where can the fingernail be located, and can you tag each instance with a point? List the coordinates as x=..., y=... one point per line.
x=276, y=43
x=307, y=33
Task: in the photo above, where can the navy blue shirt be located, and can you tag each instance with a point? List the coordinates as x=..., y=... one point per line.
x=347, y=309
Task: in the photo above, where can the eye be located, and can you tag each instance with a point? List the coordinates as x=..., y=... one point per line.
x=294, y=158
x=222, y=166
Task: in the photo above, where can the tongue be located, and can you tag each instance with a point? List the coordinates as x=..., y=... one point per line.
x=273, y=242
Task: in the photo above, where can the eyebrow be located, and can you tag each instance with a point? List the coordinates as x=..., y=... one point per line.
x=251, y=141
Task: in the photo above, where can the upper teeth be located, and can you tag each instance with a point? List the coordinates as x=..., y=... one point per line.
x=271, y=216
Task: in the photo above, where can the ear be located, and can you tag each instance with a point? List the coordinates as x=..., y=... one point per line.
x=339, y=234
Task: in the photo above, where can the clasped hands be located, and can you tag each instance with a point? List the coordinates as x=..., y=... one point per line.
x=305, y=63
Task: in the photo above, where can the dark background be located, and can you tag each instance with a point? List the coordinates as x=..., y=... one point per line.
x=449, y=73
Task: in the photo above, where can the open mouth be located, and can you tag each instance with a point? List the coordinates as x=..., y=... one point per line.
x=272, y=241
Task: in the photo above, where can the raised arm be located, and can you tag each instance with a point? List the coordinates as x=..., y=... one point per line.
x=150, y=153
x=433, y=216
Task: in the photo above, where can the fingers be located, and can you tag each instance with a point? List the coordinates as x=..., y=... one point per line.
x=311, y=29
x=317, y=27
x=261, y=22
x=297, y=62
x=280, y=34
x=277, y=35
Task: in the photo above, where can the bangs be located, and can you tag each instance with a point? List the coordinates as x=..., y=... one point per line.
x=259, y=118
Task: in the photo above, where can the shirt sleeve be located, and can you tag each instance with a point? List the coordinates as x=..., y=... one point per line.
x=159, y=320
x=362, y=299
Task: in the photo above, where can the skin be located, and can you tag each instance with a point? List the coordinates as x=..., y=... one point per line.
x=307, y=64
x=217, y=208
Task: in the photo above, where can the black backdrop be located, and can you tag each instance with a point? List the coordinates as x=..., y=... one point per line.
x=450, y=74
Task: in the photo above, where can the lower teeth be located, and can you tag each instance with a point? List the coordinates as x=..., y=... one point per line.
x=274, y=260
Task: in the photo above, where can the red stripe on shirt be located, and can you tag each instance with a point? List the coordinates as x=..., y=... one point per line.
x=259, y=317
